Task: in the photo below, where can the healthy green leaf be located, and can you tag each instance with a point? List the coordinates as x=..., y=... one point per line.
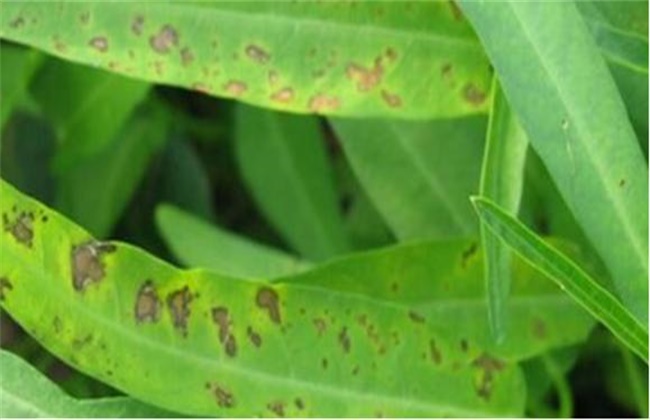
x=25, y=392
x=571, y=278
x=418, y=174
x=95, y=190
x=223, y=346
x=87, y=107
x=502, y=177
x=18, y=66
x=413, y=60
x=576, y=121
x=283, y=160
x=199, y=244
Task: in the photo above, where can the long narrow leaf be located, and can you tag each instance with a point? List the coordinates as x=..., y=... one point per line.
x=565, y=98
x=502, y=178
x=571, y=278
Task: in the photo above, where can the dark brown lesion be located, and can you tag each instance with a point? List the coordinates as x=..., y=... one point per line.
x=344, y=340
x=268, y=300
x=224, y=397
x=164, y=40
x=87, y=263
x=5, y=287
x=147, y=303
x=468, y=254
x=222, y=319
x=254, y=337
x=21, y=228
x=178, y=303
x=489, y=367
x=257, y=54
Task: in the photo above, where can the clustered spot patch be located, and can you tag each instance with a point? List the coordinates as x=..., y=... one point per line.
x=87, y=263
x=147, y=304
x=224, y=397
x=488, y=366
x=21, y=228
x=366, y=78
x=99, y=43
x=164, y=40
x=222, y=320
x=178, y=303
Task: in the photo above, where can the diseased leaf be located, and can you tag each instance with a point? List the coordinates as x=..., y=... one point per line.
x=576, y=121
x=418, y=174
x=502, y=181
x=87, y=107
x=283, y=160
x=224, y=346
x=412, y=60
x=571, y=278
x=198, y=244
x=25, y=392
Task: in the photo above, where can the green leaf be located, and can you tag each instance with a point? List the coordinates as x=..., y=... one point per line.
x=25, y=392
x=199, y=244
x=413, y=60
x=571, y=278
x=18, y=66
x=576, y=121
x=283, y=160
x=229, y=347
x=87, y=107
x=418, y=174
x=95, y=190
x=502, y=177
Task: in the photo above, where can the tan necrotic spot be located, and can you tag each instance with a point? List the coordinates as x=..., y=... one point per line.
x=257, y=54
x=366, y=78
x=224, y=397
x=21, y=228
x=187, y=57
x=136, y=25
x=99, y=43
x=393, y=100
x=147, y=304
x=178, y=303
x=87, y=263
x=489, y=367
x=222, y=319
x=473, y=94
x=164, y=40
x=344, y=340
x=268, y=300
x=235, y=88
x=284, y=95
x=323, y=103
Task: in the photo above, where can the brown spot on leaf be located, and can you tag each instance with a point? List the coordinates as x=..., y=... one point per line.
x=222, y=319
x=300, y=405
x=80, y=342
x=5, y=285
x=468, y=253
x=257, y=54
x=276, y=407
x=201, y=87
x=434, y=352
x=489, y=366
x=17, y=23
x=324, y=363
x=136, y=25
x=391, y=55
x=178, y=303
x=355, y=371
x=100, y=43
x=621, y=183
x=273, y=77
x=446, y=70
x=393, y=100
x=84, y=18
x=267, y=299
x=473, y=94
x=235, y=88
x=321, y=326
x=323, y=103
x=254, y=337
x=87, y=263
x=21, y=228
x=538, y=328
x=344, y=340
x=164, y=40
x=416, y=317
x=187, y=57
x=147, y=303
x=224, y=397
x=284, y=95
x=366, y=78
x=59, y=45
